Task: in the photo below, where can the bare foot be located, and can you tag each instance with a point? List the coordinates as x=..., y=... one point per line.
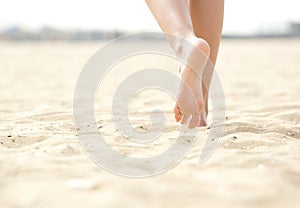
x=190, y=100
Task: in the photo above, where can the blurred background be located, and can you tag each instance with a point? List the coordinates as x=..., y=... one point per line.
x=101, y=19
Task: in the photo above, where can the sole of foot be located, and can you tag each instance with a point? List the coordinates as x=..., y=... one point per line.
x=190, y=101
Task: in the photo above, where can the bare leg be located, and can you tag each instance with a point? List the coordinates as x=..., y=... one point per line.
x=174, y=18
x=207, y=19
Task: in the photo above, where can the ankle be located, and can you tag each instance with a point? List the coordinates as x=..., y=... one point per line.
x=179, y=40
x=185, y=46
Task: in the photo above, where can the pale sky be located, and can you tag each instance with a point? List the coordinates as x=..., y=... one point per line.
x=240, y=15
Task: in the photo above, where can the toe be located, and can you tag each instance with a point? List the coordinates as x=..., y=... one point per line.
x=184, y=119
x=202, y=123
x=177, y=113
x=194, y=121
x=203, y=120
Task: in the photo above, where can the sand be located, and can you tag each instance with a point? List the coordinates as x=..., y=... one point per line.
x=257, y=162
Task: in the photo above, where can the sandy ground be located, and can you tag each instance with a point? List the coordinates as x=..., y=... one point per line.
x=257, y=162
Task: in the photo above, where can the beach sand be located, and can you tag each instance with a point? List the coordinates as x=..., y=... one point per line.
x=256, y=164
